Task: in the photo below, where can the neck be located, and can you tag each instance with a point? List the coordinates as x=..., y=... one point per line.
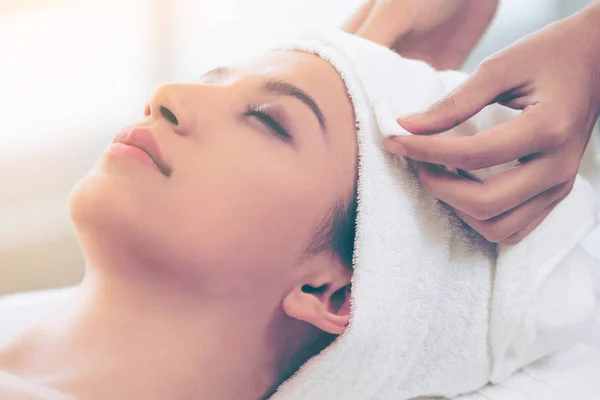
x=155, y=343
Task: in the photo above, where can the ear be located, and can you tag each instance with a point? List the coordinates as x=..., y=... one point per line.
x=322, y=300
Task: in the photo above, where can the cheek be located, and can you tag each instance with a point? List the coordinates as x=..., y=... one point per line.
x=246, y=209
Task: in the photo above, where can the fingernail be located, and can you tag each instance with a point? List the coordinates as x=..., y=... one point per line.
x=410, y=118
x=395, y=147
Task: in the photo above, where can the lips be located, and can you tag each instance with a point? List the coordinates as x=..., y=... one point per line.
x=143, y=140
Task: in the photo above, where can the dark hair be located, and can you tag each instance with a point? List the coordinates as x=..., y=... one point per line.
x=338, y=230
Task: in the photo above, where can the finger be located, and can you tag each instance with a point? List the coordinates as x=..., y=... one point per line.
x=481, y=89
x=523, y=233
x=496, y=194
x=353, y=24
x=527, y=134
x=510, y=222
x=383, y=25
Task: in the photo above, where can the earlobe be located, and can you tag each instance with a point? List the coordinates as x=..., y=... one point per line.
x=336, y=324
x=319, y=308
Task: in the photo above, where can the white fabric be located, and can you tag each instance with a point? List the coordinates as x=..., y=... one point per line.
x=436, y=310
x=571, y=374
x=19, y=310
x=16, y=388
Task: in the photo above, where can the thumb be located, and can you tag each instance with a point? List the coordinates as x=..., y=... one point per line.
x=467, y=100
x=356, y=21
x=383, y=25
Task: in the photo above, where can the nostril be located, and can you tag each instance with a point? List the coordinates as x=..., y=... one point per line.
x=147, y=110
x=169, y=115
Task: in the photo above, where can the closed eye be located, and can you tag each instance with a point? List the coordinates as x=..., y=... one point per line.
x=271, y=123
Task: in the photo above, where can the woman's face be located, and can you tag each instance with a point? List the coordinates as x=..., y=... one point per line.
x=260, y=154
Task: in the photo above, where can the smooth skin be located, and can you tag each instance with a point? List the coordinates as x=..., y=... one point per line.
x=198, y=285
x=440, y=32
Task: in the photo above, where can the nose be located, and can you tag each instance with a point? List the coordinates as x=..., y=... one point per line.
x=169, y=103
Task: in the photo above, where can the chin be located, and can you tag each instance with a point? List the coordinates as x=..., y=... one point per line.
x=122, y=223
x=97, y=198
x=115, y=191
x=108, y=214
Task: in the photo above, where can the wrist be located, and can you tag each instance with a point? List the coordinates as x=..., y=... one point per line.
x=587, y=23
x=591, y=24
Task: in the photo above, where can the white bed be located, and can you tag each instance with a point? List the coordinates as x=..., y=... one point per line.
x=21, y=309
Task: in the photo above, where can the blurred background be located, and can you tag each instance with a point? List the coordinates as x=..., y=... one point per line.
x=73, y=72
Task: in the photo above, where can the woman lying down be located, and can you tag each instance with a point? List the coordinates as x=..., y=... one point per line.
x=263, y=243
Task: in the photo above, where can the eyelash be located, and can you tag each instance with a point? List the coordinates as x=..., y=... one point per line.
x=268, y=120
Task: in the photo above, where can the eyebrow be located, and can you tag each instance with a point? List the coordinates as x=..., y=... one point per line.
x=280, y=88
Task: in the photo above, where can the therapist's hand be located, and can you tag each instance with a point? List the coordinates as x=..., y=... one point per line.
x=553, y=75
x=440, y=32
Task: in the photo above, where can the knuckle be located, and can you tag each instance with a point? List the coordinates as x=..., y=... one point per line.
x=448, y=102
x=490, y=67
x=493, y=232
x=557, y=135
x=485, y=208
x=568, y=188
x=444, y=111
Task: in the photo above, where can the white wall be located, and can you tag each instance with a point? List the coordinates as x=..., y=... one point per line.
x=71, y=73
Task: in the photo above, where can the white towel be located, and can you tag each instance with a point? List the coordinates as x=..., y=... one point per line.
x=437, y=310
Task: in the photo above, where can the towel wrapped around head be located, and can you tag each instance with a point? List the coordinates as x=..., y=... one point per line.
x=437, y=310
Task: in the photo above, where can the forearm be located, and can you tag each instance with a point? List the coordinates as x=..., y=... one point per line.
x=591, y=18
x=440, y=32
x=588, y=21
